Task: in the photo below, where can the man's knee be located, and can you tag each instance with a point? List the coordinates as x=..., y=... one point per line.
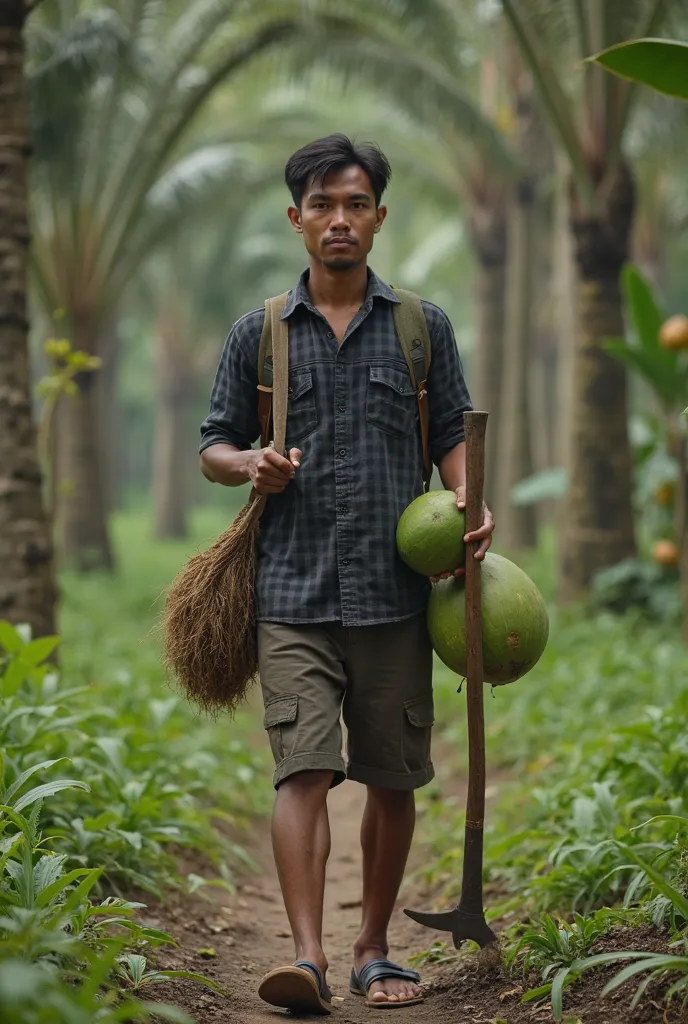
x=307, y=785
x=391, y=799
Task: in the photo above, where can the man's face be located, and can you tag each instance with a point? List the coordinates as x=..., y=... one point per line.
x=338, y=218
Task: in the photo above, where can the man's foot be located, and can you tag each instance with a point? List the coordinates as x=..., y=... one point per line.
x=300, y=988
x=382, y=982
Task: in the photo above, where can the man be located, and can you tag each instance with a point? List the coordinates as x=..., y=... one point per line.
x=341, y=621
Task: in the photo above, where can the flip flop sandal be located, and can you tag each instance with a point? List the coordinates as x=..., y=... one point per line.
x=381, y=970
x=300, y=988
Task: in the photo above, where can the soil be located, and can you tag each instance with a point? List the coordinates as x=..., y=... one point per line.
x=235, y=939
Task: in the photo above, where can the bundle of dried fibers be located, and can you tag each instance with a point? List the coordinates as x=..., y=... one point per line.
x=209, y=629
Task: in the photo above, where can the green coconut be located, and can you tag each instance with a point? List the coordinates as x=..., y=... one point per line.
x=515, y=621
x=430, y=534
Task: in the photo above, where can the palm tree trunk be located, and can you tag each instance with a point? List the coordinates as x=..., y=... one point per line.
x=27, y=586
x=519, y=529
x=109, y=429
x=489, y=237
x=597, y=530
x=172, y=439
x=677, y=447
x=82, y=496
x=564, y=321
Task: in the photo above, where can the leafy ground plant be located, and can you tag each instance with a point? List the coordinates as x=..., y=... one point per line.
x=559, y=950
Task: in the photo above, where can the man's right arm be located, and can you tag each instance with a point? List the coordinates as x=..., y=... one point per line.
x=268, y=471
x=232, y=424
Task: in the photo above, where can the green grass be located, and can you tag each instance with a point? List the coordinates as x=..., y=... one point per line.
x=106, y=775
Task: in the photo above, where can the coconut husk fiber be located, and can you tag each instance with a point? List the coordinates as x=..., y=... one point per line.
x=209, y=628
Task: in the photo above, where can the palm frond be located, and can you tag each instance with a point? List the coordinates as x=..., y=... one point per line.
x=122, y=220
x=62, y=69
x=555, y=101
x=385, y=56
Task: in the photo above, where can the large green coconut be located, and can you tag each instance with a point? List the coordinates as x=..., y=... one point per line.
x=430, y=534
x=515, y=621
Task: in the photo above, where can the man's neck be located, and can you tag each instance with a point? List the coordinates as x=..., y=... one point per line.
x=337, y=289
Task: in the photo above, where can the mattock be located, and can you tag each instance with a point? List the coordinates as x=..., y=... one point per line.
x=467, y=920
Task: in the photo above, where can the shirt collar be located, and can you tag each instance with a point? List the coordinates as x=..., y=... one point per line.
x=299, y=295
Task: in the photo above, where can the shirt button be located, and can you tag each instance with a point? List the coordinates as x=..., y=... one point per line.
x=341, y=408
x=345, y=561
x=330, y=334
x=339, y=368
x=342, y=452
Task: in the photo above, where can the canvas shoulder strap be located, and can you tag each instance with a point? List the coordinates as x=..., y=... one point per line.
x=414, y=338
x=273, y=373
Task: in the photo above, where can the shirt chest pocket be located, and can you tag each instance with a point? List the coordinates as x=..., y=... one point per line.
x=391, y=403
x=302, y=411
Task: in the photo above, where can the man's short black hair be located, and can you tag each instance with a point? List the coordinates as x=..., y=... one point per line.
x=327, y=156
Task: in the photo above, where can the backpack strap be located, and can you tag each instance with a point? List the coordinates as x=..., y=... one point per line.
x=273, y=328
x=414, y=338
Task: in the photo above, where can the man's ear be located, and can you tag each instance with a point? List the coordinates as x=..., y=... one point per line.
x=294, y=216
x=381, y=214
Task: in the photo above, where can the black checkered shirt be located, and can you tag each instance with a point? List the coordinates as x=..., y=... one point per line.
x=327, y=547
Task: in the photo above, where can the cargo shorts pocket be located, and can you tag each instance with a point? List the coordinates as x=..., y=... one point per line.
x=280, y=720
x=419, y=718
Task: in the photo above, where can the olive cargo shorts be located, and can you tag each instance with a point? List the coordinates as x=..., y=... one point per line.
x=379, y=676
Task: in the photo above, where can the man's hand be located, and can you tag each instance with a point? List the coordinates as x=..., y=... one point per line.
x=270, y=472
x=483, y=534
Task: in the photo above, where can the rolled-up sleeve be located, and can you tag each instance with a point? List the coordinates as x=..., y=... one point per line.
x=448, y=396
x=233, y=416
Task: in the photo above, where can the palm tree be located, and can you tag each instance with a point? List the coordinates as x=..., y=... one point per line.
x=27, y=590
x=114, y=92
x=589, y=113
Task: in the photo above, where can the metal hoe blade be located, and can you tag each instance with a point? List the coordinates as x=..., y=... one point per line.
x=461, y=924
x=467, y=920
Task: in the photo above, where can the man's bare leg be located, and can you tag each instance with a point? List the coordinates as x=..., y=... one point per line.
x=301, y=845
x=386, y=833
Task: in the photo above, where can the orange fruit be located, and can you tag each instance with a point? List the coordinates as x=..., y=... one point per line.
x=665, y=552
x=673, y=334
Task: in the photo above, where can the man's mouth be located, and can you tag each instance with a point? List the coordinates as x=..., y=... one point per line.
x=340, y=242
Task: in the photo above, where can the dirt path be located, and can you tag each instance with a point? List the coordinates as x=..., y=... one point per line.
x=250, y=933
x=235, y=939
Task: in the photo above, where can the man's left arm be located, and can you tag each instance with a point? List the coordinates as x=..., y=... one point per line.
x=448, y=400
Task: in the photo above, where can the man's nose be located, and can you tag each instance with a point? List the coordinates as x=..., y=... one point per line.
x=340, y=219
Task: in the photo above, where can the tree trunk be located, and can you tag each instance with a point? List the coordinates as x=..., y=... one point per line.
x=677, y=447
x=519, y=529
x=171, y=452
x=489, y=237
x=109, y=429
x=82, y=497
x=27, y=586
x=597, y=530
x=565, y=323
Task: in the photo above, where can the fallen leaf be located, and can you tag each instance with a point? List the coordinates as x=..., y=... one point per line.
x=208, y=952
x=350, y=904
x=512, y=992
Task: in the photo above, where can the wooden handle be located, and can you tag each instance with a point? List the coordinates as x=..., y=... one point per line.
x=476, y=426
